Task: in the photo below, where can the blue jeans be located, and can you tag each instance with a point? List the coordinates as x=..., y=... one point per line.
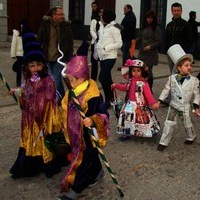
x=54, y=69
x=125, y=51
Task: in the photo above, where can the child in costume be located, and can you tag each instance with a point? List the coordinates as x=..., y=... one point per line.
x=40, y=116
x=184, y=90
x=136, y=118
x=85, y=168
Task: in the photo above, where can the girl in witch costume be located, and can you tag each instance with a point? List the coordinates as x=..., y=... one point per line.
x=136, y=116
x=40, y=117
x=85, y=168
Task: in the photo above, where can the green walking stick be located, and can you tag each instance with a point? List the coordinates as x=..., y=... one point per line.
x=7, y=86
x=97, y=144
x=75, y=99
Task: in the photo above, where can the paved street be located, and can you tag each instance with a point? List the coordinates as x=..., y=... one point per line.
x=142, y=172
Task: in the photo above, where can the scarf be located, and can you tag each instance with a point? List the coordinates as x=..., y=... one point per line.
x=80, y=88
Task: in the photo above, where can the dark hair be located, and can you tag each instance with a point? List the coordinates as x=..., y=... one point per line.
x=108, y=16
x=42, y=73
x=192, y=14
x=176, y=5
x=152, y=14
x=144, y=74
x=53, y=10
x=129, y=7
x=94, y=2
x=95, y=13
x=23, y=27
x=181, y=62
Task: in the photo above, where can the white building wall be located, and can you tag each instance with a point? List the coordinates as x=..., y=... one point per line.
x=88, y=12
x=66, y=8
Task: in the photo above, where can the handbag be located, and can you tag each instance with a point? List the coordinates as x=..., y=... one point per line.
x=116, y=104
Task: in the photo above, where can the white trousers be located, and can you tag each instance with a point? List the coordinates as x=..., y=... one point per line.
x=171, y=122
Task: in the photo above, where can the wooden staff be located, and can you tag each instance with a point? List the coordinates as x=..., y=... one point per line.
x=7, y=86
x=71, y=92
x=102, y=155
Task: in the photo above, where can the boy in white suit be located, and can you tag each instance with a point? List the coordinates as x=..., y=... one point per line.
x=184, y=91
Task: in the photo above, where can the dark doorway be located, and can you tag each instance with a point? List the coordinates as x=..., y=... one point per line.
x=31, y=10
x=77, y=13
x=106, y=4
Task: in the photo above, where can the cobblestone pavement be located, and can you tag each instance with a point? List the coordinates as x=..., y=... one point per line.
x=142, y=172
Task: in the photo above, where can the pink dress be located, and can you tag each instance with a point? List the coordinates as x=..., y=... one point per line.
x=136, y=118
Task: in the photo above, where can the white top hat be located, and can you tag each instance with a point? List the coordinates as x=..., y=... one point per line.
x=176, y=53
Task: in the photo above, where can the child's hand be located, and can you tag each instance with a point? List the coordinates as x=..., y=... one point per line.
x=196, y=112
x=113, y=86
x=12, y=90
x=156, y=105
x=147, y=48
x=16, y=91
x=88, y=122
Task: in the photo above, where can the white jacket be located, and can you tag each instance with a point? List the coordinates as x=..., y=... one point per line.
x=182, y=96
x=93, y=31
x=16, y=45
x=109, y=42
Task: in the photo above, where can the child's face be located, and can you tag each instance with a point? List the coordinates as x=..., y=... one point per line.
x=74, y=81
x=136, y=72
x=185, y=68
x=35, y=67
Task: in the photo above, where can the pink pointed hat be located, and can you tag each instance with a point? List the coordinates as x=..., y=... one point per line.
x=78, y=65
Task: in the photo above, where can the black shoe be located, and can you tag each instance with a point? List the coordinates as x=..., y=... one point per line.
x=125, y=137
x=189, y=142
x=98, y=178
x=161, y=147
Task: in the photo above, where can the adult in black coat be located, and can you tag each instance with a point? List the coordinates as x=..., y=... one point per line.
x=128, y=30
x=178, y=31
x=194, y=26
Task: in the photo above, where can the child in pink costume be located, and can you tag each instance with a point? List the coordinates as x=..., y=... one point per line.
x=136, y=118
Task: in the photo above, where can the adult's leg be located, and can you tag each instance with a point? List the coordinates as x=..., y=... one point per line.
x=105, y=78
x=94, y=67
x=150, y=78
x=18, y=78
x=19, y=71
x=125, y=51
x=55, y=69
